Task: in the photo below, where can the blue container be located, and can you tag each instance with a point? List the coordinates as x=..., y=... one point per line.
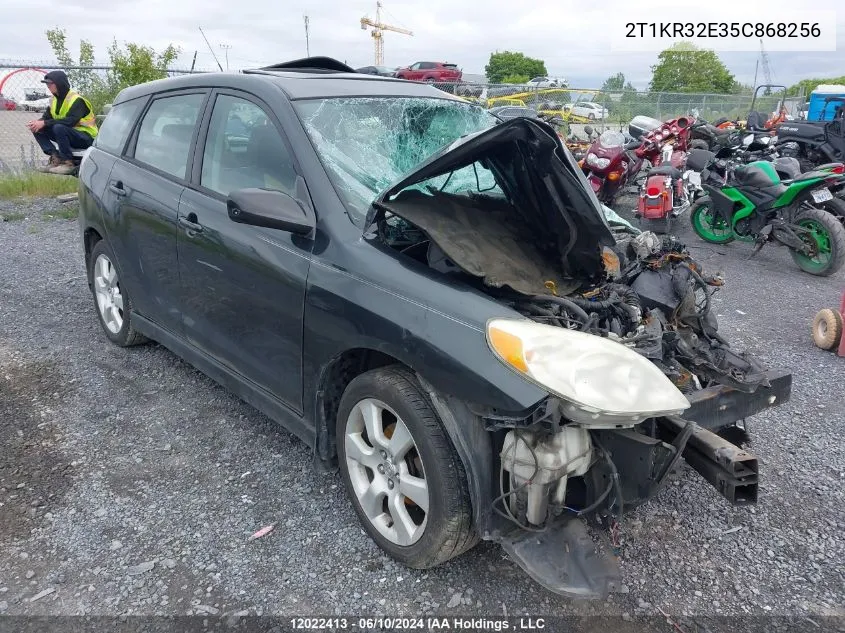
x=816, y=110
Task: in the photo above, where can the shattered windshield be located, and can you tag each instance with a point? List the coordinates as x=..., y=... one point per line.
x=367, y=143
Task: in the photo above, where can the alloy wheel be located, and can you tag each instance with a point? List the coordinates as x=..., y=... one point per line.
x=386, y=472
x=108, y=294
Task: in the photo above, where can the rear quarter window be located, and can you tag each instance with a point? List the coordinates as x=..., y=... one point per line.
x=117, y=125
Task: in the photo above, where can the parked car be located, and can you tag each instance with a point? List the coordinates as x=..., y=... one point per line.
x=35, y=102
x=546, y=82
x=402, y=281
x=507, y=112
x=7, y=104
x=588, y=110
x=431, y=72
x=381, y=71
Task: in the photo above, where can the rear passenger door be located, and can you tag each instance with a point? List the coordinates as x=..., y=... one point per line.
x=242, y=286
x=146, y=185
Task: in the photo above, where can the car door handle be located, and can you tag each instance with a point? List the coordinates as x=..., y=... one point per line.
x=190, y=222
x=117, y=188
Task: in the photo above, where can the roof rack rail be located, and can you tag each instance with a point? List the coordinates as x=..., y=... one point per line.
x=306, y=64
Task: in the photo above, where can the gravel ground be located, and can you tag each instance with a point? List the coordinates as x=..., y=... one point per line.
x=130, y=483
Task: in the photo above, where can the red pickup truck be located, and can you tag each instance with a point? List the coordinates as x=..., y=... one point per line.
x=432, y=72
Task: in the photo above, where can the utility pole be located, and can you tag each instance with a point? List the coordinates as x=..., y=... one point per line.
x=307, y=44
x=226, y=48
x=194, y=63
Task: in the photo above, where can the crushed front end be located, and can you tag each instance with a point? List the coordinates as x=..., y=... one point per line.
x=617, y=325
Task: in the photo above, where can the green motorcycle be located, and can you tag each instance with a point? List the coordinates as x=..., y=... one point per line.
x=750, y=203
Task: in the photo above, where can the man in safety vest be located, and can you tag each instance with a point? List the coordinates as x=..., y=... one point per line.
x=69, y=122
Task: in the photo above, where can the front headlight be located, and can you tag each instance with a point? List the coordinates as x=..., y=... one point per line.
x=595, y=161
x=603, y=382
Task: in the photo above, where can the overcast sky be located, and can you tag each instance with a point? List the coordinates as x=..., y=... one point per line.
x=572, y=37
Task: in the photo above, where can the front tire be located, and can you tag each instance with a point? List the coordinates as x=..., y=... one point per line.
x=826, y=237
x=401, y=471
x=707, y=226
x=111, y=300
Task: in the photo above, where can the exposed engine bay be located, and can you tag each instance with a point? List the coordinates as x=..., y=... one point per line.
x=655, y=298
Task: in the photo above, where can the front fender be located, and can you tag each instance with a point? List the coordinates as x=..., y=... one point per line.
x=447, y=347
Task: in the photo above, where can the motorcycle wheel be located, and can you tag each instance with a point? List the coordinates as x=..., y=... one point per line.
x=826, y=238
x=707, y=226
x=835, y=207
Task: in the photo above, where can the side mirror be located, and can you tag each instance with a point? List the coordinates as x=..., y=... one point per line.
x=271, y=209
x=588, y=130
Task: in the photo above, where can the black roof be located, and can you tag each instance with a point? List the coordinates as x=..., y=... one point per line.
x=307, y=78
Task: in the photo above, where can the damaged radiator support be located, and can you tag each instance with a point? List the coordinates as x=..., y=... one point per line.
x=730, y=469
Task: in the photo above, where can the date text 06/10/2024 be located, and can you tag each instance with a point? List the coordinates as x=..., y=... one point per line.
x=418, y=624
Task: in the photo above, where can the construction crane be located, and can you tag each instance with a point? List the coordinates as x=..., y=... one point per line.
x=767, y=71
x=379, y=28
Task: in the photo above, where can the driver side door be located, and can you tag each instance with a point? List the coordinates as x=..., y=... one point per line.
x=243, y=286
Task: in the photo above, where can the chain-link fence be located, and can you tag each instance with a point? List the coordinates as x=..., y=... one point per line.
x=602, y=109
x=23, y=97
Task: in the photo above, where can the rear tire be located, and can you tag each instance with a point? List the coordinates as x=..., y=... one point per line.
x=836, y=208
x=828, y=239
x=699, y=144
x=661, y=227
x=111, y=299
x=417, y=536
x=827, y=329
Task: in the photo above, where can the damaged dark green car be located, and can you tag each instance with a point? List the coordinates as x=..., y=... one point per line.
x=430, y=298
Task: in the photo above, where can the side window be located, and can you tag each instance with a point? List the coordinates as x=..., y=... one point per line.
x=116, y=126
x=244, y=149
x=426, y=65
x=164, y=139
x=416, y=66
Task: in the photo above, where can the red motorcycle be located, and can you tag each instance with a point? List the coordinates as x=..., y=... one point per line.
x=667, y=191
x=612, y=161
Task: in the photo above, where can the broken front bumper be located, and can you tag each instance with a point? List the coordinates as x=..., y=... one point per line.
x=714, y=408
x=565, y=560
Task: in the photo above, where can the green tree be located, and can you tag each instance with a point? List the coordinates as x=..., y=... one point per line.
x=617, y=83
x=138, y=64
x=130, y=65
x=515, y=79
x=687, y=68
x=808, y=85
x=508, y=64
x=81, y=78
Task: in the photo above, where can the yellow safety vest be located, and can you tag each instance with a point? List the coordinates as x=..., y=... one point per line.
x=87, y=124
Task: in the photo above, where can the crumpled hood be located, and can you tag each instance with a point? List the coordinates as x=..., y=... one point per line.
x=545, y=188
